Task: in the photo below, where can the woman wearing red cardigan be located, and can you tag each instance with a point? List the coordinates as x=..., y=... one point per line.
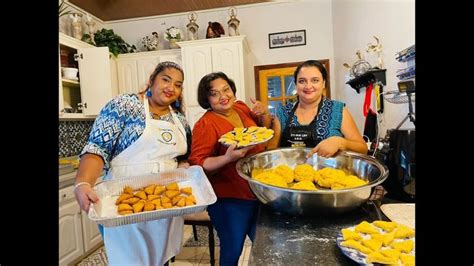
x=235, y=212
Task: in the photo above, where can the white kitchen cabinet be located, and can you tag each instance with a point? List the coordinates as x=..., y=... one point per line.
x=93, y=89
x=134, y=70
x=78, y=235
x=70, y=232
x=90, y=233
x=201, y=57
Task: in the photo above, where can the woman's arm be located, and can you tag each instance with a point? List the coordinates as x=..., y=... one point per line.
x=275, y=141
x=351, y=141
x=213, y=163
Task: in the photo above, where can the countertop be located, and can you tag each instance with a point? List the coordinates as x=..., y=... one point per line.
x=302, y=240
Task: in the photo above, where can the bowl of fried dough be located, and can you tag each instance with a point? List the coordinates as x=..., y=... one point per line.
x=290, y=183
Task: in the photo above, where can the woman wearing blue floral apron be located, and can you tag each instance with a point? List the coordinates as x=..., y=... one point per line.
x=131, y=138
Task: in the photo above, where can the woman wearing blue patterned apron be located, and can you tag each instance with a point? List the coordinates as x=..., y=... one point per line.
x=135, y=135
x=315, y=121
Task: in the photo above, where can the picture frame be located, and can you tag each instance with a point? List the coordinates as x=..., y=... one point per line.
x=286, y=39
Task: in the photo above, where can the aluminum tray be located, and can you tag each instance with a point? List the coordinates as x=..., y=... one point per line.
x=105, y=211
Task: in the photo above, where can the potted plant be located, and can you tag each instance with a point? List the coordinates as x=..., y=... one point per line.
x=62, y=9
x=173, y=35
x=116, y=44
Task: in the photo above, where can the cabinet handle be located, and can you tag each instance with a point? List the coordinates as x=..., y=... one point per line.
x=77, y=56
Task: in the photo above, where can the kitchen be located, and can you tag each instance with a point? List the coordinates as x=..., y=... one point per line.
x=336, y=31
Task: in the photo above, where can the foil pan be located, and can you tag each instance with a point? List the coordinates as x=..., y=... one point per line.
x=105, y=211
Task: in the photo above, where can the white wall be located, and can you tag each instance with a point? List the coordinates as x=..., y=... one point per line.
x=256, y=22
x=354, y=24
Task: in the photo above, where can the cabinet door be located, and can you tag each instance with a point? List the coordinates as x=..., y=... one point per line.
x=61, y=96
x=127, y=76
x=145, y=66
x=197, y=63
x=96, y=89
x=90, y=232
x=228, y=59
x=70, y=233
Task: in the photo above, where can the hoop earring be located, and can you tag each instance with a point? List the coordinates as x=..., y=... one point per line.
x=148, y=92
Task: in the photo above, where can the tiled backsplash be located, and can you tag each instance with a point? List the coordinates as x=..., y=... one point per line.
x=73, y=136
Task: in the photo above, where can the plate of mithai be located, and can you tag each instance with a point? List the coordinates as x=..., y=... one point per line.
x=151, y=197
x=246, y=136
x=378, y=242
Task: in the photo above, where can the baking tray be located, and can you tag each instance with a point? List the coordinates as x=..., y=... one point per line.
x=105, y=211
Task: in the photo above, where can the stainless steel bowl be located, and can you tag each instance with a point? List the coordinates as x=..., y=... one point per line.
x=299, y=202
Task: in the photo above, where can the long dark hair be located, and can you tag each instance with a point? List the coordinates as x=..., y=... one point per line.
x=204, y=87
x=312, y=63
x=177, y=105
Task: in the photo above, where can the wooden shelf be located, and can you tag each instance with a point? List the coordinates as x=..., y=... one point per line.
x=70, y=82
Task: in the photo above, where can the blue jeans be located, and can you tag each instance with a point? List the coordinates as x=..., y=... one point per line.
x=234, y=219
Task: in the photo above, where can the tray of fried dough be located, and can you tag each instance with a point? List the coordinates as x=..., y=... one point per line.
x=193, y=179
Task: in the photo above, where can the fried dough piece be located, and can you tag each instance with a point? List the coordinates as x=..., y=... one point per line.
x=138, y=207
x=165, y=199
x=365, y=227
x=141, y=194
x=351, y=243
x=122, y=198
x=159, y=190
x=386, y=226
x=388, y=238
x=128, y=190
x=379, y=258
x=125, y=212
x=304, y=172
x=391, y=253
x=373, y=244
x=404, y=246
x=407, y=259
x=175, y=199
x=192, y=199
x=124, y=207
x=189, y=202
x=187, y=190
x=157, y=202
x=181, y=202
x=149, y=207
x=152, y=197
x=349, y=234
x=172, y=186
x=167, y=205
x=131, y=200
x=404, y=231
x=172, y=193
x=149, y=189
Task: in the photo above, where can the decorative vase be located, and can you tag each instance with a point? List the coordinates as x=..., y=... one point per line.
x=173, y=44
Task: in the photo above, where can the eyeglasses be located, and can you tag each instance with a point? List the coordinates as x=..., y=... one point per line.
x=218, y=94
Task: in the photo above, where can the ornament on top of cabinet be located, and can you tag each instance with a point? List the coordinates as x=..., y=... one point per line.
x=214, y=30
x=76, y=23
x=192, y=27
x=151, y=42
x=233, y=22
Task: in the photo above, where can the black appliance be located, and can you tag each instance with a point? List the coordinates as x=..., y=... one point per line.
x=400, y=161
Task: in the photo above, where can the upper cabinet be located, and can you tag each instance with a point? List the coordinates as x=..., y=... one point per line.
x=84, y=95
x=134, y=70
x=201, y=57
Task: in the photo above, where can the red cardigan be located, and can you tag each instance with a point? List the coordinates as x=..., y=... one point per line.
x=226, y=182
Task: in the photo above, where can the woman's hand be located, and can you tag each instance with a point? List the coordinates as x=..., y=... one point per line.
x=328, y=147
x=258, y=108
x=85, y=195
x=233, y=154
x=183, y=164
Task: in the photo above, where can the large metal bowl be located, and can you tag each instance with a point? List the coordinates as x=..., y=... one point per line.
x=300, y=202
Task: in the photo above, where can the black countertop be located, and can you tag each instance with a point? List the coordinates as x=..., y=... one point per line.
x=303, y=240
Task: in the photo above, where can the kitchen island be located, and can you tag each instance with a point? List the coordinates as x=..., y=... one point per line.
x=303, y=240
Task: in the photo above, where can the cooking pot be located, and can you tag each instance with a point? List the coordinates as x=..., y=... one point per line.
x=400, y=160
x=302, y=202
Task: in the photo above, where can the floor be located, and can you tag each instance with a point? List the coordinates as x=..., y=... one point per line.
x=200, y=255
x=188, y=255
